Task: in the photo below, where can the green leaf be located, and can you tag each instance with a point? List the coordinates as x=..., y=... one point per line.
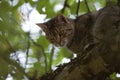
x=49, y=8
x=40, y=68
x=111, y=2
x=101, y=2
x=4, y=70
x=66, y=53
x=83, y=9
x=21, y=2
x=62, y=53
x=67, y=11
x=73, y=8
x=91, y=5
x=43, y=42
x=70, y=2
x=31, y=2
x=114, y=77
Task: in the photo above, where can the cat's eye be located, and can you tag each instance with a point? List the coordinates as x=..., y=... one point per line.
x=61, y=33
x=52, y=38
x=69, y=29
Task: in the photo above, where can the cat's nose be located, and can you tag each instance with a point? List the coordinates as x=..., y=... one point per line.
x=58, y=44
x=61, y=43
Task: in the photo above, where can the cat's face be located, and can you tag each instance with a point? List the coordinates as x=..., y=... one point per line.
x=59, y=31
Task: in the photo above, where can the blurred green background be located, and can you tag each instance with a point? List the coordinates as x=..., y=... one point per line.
x=25, y=55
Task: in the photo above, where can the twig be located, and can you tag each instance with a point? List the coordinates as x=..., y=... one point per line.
x=65, y=5
x=118, y=3
x=45, y=57
x=28, y=46
x=78, y=7
x=51, y=58
x=10, y=47
x=87, y=5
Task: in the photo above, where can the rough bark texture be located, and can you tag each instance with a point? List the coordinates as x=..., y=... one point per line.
x=99, y=62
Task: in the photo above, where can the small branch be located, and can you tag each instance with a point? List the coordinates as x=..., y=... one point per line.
x=87, y=5
x=65, y=5
x=28, y=46
x=10, y=47
x=78, y=7
x=51, y=58
x=45, y=57
x=118, y=3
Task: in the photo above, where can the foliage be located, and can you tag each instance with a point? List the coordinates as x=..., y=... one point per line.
x=39, y=53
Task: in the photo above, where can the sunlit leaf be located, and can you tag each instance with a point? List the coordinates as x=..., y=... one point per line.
x=102, y=3
x=91, y=5
x=83, y=8
x=31, y=2
x=66, y=53
x=73, y=8
x=70, y=2
x=43, y=41
x=19, y=4
x=62, y=53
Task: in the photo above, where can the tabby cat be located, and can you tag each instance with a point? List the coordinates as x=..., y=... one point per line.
x=77, y=34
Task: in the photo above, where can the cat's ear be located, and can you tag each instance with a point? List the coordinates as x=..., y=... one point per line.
x=43, y=26
x=61, y=18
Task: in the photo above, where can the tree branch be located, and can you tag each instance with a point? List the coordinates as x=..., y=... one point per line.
x=78, y=7
x=87, y=5
x=51, y=58
x=28, y=46
x=10, y=47
x=65, y=5
x=43, y=52
x=118, y=3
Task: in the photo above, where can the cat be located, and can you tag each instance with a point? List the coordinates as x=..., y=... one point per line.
x=62, y=31
x=78, y=34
